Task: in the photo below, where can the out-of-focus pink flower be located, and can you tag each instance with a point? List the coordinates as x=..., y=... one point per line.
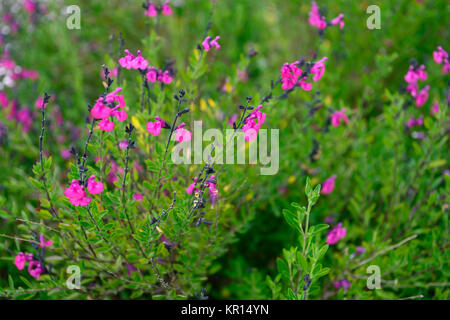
x=123, y=144
x=242, y=75
x=315, y=18
x=191, y=188
x=422, y=96
x=435, y=109
x=76, y=194
x=440, y=55
x=44, y=243
x=152, y=75
x=132, y=62
x=39, y=102
x=138, y=197
x=336, y=234
x=360, y=250
x=65, y=154
x=35, y=269
x=21, y=258
x=328, y=184
x=151, y=10
x=337, y=116
x=29, y=6
x=233, y=118
x=338, y=20
x=154, y=128
x=106, y=125
x=318, y=69
x=24, y=118
x=166, y=9
x=94, y=187
x=181, y=134
x=344, y=284
x=415, y=122
x=208, y=43
x=4, y=101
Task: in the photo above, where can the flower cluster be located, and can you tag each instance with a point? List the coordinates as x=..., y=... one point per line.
x=292, y=75
x=415, y=122
x=251, y=127
x=209, y=42
x=162, y=76
x=336, y=234
x=441, y=56
x=412, y=77
x=316, y=19
x=154, y=128
x=105, y=107
x=77, y=195
x=35, y=267
x=152, y=10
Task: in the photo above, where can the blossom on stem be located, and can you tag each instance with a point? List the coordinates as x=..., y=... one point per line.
x=166, y=9
x=21, y=258
x=337, y=116
x=181, y=134
x=251, y=127
x=208, y=43
x=35, y=269
x=328, y=184
x=44, y=243
x=94, y=187
x=106, y=125
x=76, y=194
x=154, y=128
x=336, y=234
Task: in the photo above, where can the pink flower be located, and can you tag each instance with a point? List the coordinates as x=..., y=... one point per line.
x=152, y=75
x=166, y=9
x=315, y=18
x=446, y=67
x=94, y=187
x=151, y=10
x=190, y=189
x=35, y=269
x=44, y=243
x=440, y=55
x=21, y=258
x=121, y=115
x=4, y=101
x=251, y=127
x=77, y=195
x=305, y=85
x=132, y=62
x=421, y=73
x=106, y=125
x=233, y=119
x=422, y=96
x=415, y=122
x=181, y=134
x=435, y=109
x=289, y=75
x=29, y=6
x=344, y=284
x=100, y=110
x=65, y=153
x=318, y=69
x=154, y=128
x=338, y=20
x=165, y=77
x=336, y=234
x=337, y=116
x=328, y=185
x=39, y=102
x=138, y=197
x=123, y=144
x=208, y=43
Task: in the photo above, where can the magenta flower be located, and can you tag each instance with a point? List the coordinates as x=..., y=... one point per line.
x=336, y=234
x=422, y=96
x=318, y=69
x=39, y=102
x=440, y=55
x=328, y=184
x=100, y=110
x=138, y=197
x=94, y=187
x=154, y=128
x=4, y=101
x=132, y=62
x=152, y=75
x=106, y=125
x=151, y=10
x=166, y=9
x=76, y=194
x=344, y=284
x=208, y=43
x=44, y=243
x=191, y=188
x=251, y=127
x=338, y=20
x=21, y=258
x=360, y=250
x=435, y=109
x=35, y=269
x=337, y=116
x=315, y=18
x=181, y=134
x=415, y=122
x=29, y=6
